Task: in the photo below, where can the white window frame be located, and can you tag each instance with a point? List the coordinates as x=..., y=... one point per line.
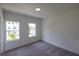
x=32, y=30
x=18, y=30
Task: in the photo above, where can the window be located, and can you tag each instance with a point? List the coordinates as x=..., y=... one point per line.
x=12, y=31
x=32, y=29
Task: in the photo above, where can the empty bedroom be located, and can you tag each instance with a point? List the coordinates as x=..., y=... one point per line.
x=39, y=29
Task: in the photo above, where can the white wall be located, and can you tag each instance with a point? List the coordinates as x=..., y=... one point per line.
x=24, y=20
x=1, y=31
x=62, y=29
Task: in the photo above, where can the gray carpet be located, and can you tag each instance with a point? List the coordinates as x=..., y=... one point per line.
x=39, y=49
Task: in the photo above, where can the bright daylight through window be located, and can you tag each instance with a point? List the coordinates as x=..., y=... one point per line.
x=12, y=31
x=32, y=29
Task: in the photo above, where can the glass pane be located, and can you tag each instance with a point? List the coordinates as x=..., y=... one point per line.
x=32, y=25
x=12, y=31
x=12, y=25
x=9, y=26
x=16, y=33
x=34, y=32
x=16, y=26
x=10, y=36
x=32, y=29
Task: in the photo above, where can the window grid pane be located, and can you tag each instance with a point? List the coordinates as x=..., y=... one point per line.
x=12, y=31
x=32, y=29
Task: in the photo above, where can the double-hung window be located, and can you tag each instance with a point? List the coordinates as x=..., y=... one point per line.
x=12, y=30
x=32, y=29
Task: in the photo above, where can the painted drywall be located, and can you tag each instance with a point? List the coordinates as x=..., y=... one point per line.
x=24, y=20
x=25, y=8
x=1, y=31
x=62, y=29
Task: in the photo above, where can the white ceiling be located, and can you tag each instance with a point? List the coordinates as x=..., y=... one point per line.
x=46, y=8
